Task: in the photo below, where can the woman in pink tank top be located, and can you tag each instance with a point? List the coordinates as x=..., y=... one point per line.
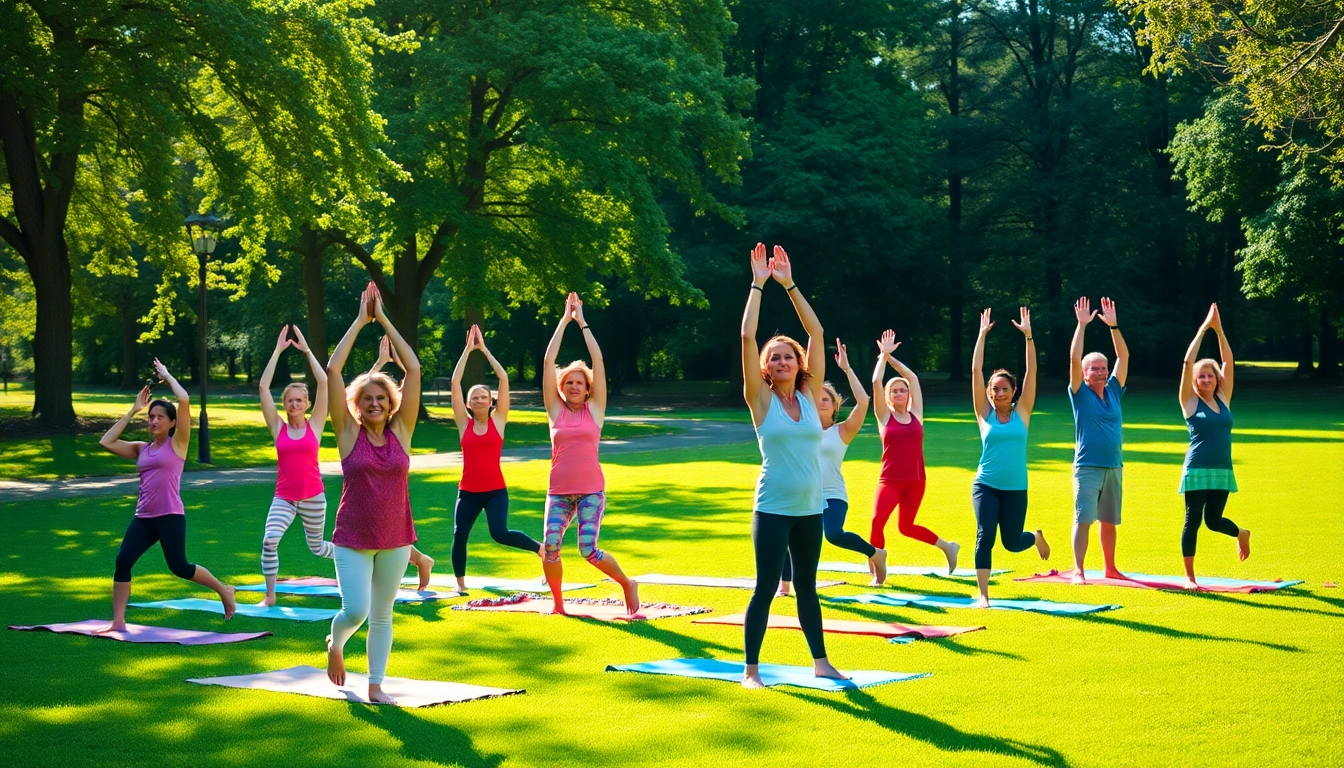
x=159, y=515
x=298, y=482
x=900, y=422
x=575, y=409
x=374, y=529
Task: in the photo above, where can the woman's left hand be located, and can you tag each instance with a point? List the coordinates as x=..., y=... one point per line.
x=161, y=370
x=780, y=268
x=576, y=308
x=841, y=356
x=302, y=343
x=1025, y=325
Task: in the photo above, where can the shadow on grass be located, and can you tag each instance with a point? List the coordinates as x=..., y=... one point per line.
x=686, y=645
x=1288, y=592
x=425, y=741
x=1157, y=629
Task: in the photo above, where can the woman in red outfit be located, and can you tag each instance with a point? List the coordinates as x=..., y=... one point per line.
x=900, y=422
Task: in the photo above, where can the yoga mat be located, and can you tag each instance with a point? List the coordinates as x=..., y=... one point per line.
x=845, y=627
x=140, y=633
x=896, y=599
x=905, y=570
x=244, y=609
x=311, y=681
x=771, y=674
x=738, y=582
x=323, y=590
x=1149, y=581
x=497, y=584
x=606, y=609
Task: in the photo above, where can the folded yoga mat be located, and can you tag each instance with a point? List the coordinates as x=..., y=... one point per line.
x=244, y=609
x=311, y=681
x=771, y=674
x=324, y=590
x=735, y=582
x=896, y=599
x=140, y=633
x=606, y=609
x=1149, y=581
x=844, y=627
x=905, y=570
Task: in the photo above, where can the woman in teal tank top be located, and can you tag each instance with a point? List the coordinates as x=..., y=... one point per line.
x=1207, y=478
x=999, y=493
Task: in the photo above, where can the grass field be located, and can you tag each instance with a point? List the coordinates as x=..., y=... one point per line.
x=1170, y=679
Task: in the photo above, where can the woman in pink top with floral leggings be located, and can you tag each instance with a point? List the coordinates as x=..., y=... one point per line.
x=575, y=409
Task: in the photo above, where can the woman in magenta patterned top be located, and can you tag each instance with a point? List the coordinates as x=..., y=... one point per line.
x=159, y=515
x=575, y=408
x=374, y=530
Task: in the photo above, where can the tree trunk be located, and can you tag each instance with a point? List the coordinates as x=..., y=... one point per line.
x=53, y=342
x=1329, y=348
x=474, y=373
x=130, y=366
x=1305, y=364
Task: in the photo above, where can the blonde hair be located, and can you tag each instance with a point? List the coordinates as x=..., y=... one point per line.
x=563, y=373
x=295, y=385
x=798, y=351
x=836, y=398
x=1217, y=371
x=488, y=394
x=355, y=391
x=886, y=390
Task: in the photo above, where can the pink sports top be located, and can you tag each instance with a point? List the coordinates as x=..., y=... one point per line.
x=574, y=465
x=297, y=476
x=480, y=458
x=902, y=450
x=375, y=508
x=160, y=471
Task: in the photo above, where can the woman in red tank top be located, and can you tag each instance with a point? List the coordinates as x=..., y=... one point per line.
x=482, y=437
x=900, y=422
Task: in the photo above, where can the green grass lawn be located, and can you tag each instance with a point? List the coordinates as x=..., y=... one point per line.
x=1170, y=679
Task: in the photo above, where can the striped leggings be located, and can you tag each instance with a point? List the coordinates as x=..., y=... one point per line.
x=314, y=514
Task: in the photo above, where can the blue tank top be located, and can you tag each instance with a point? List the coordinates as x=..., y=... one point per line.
x=1003, y=453
x=1210, y=436
x=790, y=479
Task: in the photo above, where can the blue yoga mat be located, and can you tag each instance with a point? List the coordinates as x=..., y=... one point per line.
x=771, y=674
x=896, y=599
x=253, y=610
x=323, y=590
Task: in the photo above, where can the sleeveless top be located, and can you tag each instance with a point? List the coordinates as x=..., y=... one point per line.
x=480, y=458
x=902, y=450
x=160, y=481
x=833, y=450
x=790, y=479
x=1003, y=455
x=1210, y=436
x=574, y=466
x=375, y=508
x=297, y=476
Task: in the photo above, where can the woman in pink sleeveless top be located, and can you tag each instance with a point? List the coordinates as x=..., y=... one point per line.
x=298, y=483
x=575, y=408
x=159, y=515
x=900, y=422
x=374, y=529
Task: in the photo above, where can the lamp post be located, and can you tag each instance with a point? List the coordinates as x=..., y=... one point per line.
x=203, y=231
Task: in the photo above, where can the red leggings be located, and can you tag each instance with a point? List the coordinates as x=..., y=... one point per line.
x=908, y=494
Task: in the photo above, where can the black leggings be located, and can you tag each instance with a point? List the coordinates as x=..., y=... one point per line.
x=999, y=511
x=1208, y=505
x=496, y=506
x=170, y=531
x=777, y=538
x=833, y=523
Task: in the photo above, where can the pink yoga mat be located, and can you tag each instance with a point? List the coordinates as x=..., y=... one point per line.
x=843, y=627
x=1144, y=581
x=311, y=681
x=139, y=633
x=605, y=609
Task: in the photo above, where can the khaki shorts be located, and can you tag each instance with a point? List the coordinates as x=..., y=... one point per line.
x=1097, y=494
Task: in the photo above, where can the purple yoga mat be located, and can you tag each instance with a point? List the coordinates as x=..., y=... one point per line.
x=139, y=633
x=311, y=681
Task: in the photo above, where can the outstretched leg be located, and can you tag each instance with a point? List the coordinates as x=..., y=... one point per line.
x=590, y=511
x=833, y=523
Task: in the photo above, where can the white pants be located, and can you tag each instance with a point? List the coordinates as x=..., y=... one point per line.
x=312, y=511
x=369, y=580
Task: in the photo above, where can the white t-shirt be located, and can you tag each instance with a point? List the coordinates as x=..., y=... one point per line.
x=833, y=450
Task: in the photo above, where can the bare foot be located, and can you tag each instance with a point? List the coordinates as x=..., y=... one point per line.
x=335, y=664
x=376, y=695
x=953, y=549
x=784, y=587
x=559, y=609
x=631, y=597
x=1243, y=544
x=1112, y=573
x=112, y=628
x=1041, y=546
x=1078, y=577
x=875, y=583
x=981, y=602
x=879, y=564
x=823, y=668
x=268, y=600
x=423, y=567
x=226, y=596
x=462, y=586
x=1190, y=584
x=751, y=679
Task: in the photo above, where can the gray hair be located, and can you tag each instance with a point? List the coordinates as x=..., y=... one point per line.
x=1089, y=357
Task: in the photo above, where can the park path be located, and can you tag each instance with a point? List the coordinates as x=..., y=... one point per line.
x=696, y=434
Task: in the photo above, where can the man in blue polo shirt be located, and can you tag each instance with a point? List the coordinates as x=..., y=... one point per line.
x=1097, y=469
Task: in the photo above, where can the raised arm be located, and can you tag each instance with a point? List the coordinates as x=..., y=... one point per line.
x=1027, y=400
x=1224, y=352
x=916, y=393
x=409, y=412
x=501, y=399
x=979, y=400
x=342, y=421
x=752, y=384
x=461, y=414
x=886, y=344
x=1108, y=316
x=1186, y=394
x=782, y=271
x=598, y=402
x=182, y=434
x=550, y=392
x=126, y=449
x=1082, y=309
x=851, y=425
x=273, y=420
x=318, y=417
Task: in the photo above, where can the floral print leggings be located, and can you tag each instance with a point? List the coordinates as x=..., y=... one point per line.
x=561, y=511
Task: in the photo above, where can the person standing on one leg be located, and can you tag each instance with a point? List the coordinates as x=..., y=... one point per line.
x=1098, y=473
x=298, y=481
x=999, y=493
x=159, y=514
x=374, y=528
x=900, y=422
x=481, y=431
x=576, y=406
x=1207, y=478
x=782, y=385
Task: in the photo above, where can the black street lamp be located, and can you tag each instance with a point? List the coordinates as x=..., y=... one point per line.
x=203, y=231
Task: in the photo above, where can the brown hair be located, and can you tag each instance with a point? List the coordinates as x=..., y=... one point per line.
x=578, y=365
x=798, y=351
x=836, y=397
x=1005, y=373
x=356, y=390
x=1217, y=371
